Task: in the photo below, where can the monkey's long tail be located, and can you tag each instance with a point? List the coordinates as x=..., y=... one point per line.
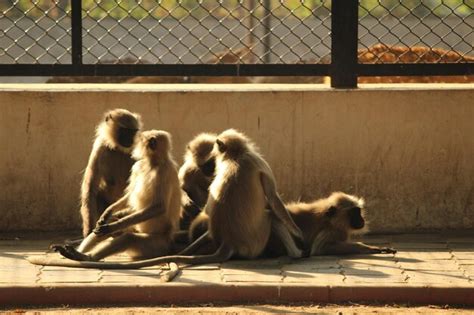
x=223, y=253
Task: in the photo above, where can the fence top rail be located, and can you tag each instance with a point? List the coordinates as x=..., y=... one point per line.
x=343, y=39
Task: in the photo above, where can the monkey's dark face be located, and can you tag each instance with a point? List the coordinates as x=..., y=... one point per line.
x=346, y=218
x=126, y=136
x=208, y=167
x=355, y=218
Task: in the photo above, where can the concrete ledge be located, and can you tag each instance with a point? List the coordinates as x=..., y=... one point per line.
x=278, y=87
x=406, y=148
x=179, y=294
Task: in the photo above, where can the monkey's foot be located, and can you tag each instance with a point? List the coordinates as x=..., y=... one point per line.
x=388, y=250
x=70, y=252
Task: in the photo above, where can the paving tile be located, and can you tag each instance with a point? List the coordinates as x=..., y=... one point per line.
x=419, y=256
x=198, y=279
x=203, y=267
x=423, y=245
x=252, y=277
x=463, y=255
x=314, y=263
x=378, y=272
x=432, y=279
x=309, y=269
x=431, y=265
x=69, y=276
x=361, y=279
x=132, y=280
x=418, y=238
x=243, y=264
x=16, y=278
x=311, y=277
x=127, y=273
x=250, y=271
x=370, y=262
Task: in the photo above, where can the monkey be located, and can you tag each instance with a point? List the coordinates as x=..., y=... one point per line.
x=328, y=225
x=239, y=224
x=143, y=221
x=108, y=169
x=195, y=176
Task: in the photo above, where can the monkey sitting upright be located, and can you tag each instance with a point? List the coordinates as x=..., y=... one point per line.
x=327, y=225
x=109, y=165
x=142, y=222
x=196, y=175
x=243, y=208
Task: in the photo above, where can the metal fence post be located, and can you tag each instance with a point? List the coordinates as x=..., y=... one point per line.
x=76, y=32
x=344, y=41
x=267, y=22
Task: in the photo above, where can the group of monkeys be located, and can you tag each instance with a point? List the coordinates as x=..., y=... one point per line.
x=221, y=203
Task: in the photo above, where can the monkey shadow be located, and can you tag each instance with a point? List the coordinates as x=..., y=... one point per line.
x=12, y=255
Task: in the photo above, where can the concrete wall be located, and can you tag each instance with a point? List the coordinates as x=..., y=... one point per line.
x=409, y=150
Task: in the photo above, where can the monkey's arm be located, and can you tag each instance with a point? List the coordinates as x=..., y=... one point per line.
x=134, y=218
x=346, y=248
x=277, y=205
x=89, y=192
x=114, y=208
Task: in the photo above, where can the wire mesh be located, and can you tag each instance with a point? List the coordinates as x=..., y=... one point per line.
x=408, y=31
x=232, y=31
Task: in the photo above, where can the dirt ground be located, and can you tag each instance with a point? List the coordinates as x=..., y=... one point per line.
x=254, y=309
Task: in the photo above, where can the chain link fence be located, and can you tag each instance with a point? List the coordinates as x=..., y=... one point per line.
x=182, y=32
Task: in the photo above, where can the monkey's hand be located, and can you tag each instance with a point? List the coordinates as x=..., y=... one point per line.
x=118, y=215
x=104, y=229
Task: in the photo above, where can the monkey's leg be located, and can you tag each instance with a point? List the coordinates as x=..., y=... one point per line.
x=143, y=246
x=281, y=231
x=90, y=242
x=121, y=243
x=346, y=248
x=278, y=207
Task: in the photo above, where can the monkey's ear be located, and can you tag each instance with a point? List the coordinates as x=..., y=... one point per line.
x=222, y=147
x=152, y=143
x=331, y=212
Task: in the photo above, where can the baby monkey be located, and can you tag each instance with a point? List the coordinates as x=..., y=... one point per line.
x=196, y=175
x=143, y=221
x=328, y=225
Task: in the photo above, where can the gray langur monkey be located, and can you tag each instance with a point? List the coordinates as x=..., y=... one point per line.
x=239, y=222
x=108, y=169
x=143, y=221
x=328, y=225
x=196, y=175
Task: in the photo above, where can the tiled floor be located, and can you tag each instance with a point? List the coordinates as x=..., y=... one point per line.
x=422, y=262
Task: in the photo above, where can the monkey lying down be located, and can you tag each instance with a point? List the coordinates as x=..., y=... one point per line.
x=239, y=223
x=326, y=224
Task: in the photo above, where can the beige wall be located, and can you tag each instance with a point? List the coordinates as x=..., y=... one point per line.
x=409, y=150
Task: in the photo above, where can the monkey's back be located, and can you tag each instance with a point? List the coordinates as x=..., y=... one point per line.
x=237, y=207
